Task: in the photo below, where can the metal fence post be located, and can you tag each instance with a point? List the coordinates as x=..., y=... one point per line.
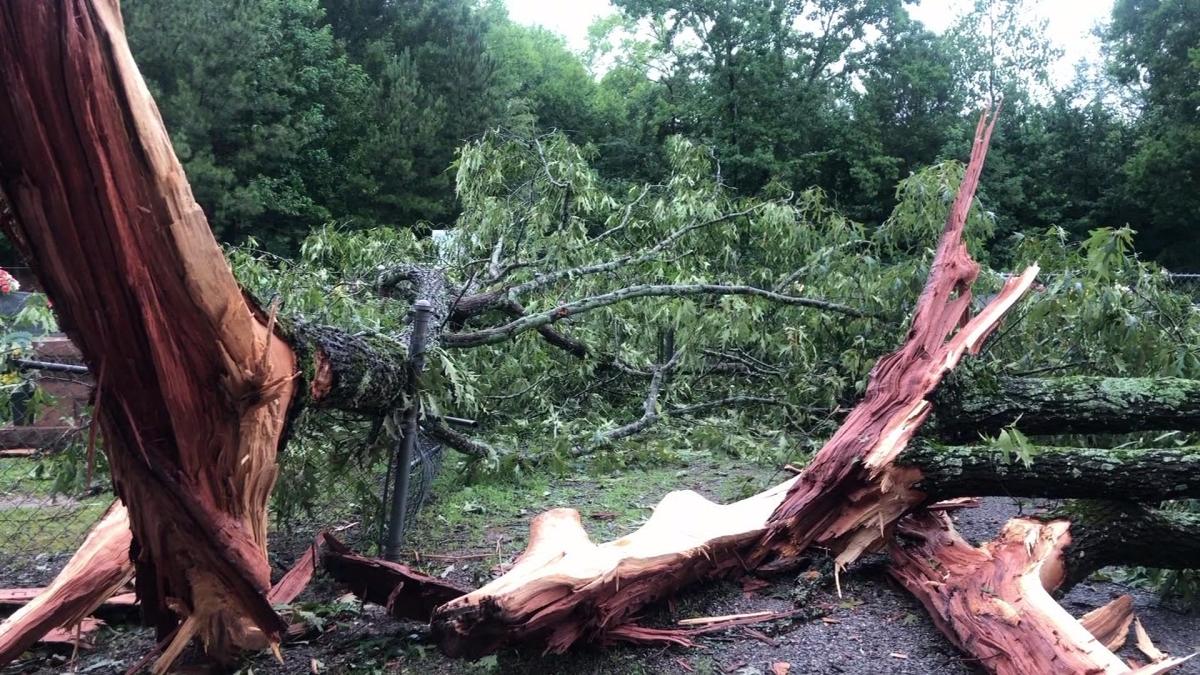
x=408, y=429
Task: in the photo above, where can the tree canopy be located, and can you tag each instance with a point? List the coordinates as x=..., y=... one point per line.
x=294, y=114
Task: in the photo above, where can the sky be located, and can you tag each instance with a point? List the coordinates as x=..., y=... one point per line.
x=1070, y=22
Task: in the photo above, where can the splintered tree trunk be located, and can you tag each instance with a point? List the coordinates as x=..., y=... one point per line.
x=565, y=589
x=1067, y=405
x=194, y=388
x=994, y=601
x=98, y=569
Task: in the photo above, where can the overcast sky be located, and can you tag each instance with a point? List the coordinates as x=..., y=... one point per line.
x=1070, y=26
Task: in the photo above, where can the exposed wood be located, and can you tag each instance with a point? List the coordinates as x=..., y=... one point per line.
x=405, y=593
x=1110, y=624
x=704, y=620
x=565, y=589
x=13, y=598
x=1145, y=645
x=98, y=569
x=851, y=492
x=293, y=583
x=994, y=602
x=197, y=397
x=1067, y=405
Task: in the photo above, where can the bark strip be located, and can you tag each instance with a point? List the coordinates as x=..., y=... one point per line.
x=98, y=569
x=405, y=593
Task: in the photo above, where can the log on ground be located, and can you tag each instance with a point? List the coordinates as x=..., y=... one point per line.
x=1067, y=405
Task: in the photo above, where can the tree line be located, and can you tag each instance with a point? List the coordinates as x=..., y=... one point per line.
x=289, y=114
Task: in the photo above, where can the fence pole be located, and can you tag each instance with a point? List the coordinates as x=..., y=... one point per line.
x=408, y=430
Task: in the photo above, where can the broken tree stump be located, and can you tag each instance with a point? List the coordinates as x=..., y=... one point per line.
x=994, y=602
x=195, y=387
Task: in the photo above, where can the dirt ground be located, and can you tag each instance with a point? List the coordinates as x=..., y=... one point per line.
x=874, y=627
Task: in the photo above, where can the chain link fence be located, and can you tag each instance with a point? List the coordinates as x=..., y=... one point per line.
x=45, y=510
x=1186, y=282
x=40, y=524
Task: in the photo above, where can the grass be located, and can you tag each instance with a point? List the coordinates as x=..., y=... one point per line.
x=35, y=520
x=48, y=529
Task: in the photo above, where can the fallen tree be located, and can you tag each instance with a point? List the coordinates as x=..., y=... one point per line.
x=1067, y=405
x=198, y=383
x=565, y=589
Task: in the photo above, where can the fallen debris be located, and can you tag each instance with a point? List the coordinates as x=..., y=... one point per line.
x=403, y=592
x=98, y=570
x=1110, y=624
x=994, y=602
x=565, y=589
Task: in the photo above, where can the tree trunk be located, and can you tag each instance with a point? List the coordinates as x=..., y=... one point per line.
x=195, y=387
x=1145, y=474
x=994, y=601
x=1067, y=405
x=1107, y=533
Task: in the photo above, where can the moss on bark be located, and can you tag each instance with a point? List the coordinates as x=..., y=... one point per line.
x=1066, y=405
x=1148, y=474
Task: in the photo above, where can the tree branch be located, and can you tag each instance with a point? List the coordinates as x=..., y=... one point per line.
x=650, y=413
x=502, y=333
x=543, y=280
x=705, y=406
x=439, y=430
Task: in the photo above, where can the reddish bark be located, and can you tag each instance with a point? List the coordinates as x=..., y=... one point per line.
x=293, y=583
x=994, y=601
x=564, y=589
x=197, y=392
x=405, y=593
x=98, y=569
x=851, y=494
